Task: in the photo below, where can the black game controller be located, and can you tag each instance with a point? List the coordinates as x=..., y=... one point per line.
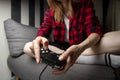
x=51, y=58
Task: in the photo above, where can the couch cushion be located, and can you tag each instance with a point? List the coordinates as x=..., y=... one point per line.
x=17, y=35
x=81, y=72
x=23, y=67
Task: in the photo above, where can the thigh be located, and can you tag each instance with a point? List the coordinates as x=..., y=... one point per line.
x=109, y=43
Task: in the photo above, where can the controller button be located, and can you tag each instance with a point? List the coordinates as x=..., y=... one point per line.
x=47, y=51
x=43, y=51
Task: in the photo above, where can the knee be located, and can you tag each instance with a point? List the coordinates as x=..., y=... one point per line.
x=112, y=33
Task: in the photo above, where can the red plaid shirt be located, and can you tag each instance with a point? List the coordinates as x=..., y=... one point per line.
x=82, y=24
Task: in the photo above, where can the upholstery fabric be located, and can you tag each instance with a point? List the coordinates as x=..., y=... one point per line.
x=82, y=72
x=17, y=35
x=28, y=69
x=25, y=67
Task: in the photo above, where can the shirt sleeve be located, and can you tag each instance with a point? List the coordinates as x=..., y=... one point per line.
x=91, y=21
x=45, y=27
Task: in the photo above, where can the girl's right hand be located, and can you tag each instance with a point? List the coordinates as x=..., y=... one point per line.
x=33, y=48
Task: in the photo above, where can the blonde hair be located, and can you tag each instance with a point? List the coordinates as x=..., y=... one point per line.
x=58, y=9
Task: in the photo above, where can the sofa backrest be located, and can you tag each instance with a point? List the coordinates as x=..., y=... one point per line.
x=99, y=10
x=113, y=16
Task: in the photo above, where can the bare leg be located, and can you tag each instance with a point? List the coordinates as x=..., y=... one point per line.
x=109, y=43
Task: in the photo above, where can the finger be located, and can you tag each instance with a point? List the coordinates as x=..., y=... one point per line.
x=67, y=66
x=45, y=43
x=31, y=52
x=37, y=50
x=28, y=49
x=65, y=55
x=58, y=72
x=31, y=49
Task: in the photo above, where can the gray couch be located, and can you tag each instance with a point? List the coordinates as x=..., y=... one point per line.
x=97, y=67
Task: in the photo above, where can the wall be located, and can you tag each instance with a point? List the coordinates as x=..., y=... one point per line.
x=5, y=13
x=5, y=6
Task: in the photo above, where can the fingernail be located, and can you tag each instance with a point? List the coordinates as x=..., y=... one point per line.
x=37, y=60
x=61, y=58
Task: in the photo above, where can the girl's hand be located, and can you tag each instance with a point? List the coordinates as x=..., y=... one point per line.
x=70, y=55
x=33, y=48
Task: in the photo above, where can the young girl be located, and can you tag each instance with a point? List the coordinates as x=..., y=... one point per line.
x=72, y=22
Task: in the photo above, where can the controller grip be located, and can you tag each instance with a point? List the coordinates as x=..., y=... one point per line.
x=51, y=58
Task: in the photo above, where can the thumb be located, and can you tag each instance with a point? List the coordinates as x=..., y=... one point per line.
x=65, y=55
x=45, y=43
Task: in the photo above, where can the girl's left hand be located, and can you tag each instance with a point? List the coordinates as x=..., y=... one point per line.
x=70, y=55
